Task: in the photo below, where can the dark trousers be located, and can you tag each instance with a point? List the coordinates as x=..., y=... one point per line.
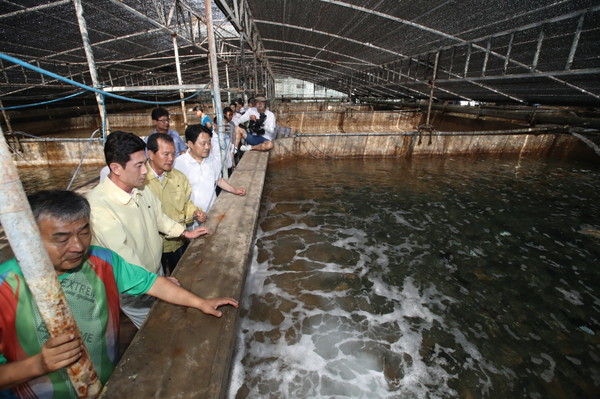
x=169, y=260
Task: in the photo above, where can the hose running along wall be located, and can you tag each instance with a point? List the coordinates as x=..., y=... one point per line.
x=24, y=237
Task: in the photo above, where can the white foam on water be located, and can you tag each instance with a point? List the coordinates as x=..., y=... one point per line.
x=341, y=352
x=571, y=296
x=548, y=373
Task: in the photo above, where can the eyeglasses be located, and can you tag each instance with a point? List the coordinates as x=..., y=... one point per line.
x=163, y=120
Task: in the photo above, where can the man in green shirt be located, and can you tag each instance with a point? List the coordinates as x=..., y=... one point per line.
x=174, y=192
x=32, y=364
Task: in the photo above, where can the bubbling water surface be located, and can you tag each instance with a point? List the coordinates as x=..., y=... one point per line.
x=429, y=278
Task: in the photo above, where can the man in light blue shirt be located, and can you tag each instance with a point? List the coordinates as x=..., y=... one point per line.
x=162, y=121
x=204, y=119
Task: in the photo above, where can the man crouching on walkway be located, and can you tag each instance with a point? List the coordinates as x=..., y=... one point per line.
x=31, y=365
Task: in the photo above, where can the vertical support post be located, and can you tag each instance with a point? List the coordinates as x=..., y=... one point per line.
x=418, y=64
x=214, y=72
x=487, y=56
x=400, y=67
x=467, y=60
x=255, y=86
x=41, y=74
x=228, y=85
x=243, y=66
x=575, y=43
x=408, y=70
x=508, y=50
x=432, y=86
x=89, y=54
x=451, y=62
x=179, y=78
x=24, y=237
x=538, y=50
x=271, y=93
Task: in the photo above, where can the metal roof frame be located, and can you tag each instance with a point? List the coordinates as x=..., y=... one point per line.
x=527, y=52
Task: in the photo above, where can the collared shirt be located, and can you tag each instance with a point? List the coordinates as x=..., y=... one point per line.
x=129, y=224
x=179, y=144
x=174, y=192
x=268, y=125
x=203, y=176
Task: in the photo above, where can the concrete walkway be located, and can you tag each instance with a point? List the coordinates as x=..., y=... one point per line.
x=180, y=352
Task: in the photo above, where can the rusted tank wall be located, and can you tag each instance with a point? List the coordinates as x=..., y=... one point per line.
x=117, y=121
x=58, y=153
x=348, y=120
x=392, y=135
x=407, y=145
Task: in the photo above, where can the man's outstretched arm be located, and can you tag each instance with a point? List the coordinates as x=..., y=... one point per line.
x=172, y=293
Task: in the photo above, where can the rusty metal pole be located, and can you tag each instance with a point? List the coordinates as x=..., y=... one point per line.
x=432, y=86
x=214, y=73
x=24, y=237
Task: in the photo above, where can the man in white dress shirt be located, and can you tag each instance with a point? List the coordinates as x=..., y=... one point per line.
x=203, y=167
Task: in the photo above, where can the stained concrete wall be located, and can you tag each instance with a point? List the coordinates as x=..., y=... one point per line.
x=392, y=135
x=410, y=145
x=35, y=152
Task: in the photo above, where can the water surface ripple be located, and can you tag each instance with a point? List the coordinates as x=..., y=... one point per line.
x=430, y=278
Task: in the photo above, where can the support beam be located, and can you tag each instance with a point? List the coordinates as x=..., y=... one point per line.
x=432, y=84
x=179, y=78
x=92, y=66
x=182, y=87
x=576, y=37
x=214, y=71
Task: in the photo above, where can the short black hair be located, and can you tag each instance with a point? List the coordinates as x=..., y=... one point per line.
x=159, y=112
x=152, y=142
x=198, y=108
x=120, y=145
x=193, y=132
x=60, y=204
x=226, y=110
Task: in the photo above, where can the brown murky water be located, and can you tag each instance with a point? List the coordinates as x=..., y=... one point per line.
x=426, y=278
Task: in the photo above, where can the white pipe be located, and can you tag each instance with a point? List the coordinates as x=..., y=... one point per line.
x=214, y=72
x=24, y=237
x=179, y=78
x=89, y=53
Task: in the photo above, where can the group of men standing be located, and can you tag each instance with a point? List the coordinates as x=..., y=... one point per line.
x=119, y=243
